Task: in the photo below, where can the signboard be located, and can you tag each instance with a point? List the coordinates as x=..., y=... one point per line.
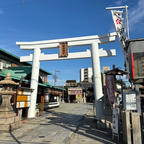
x=23, y=97
x=74, y=91
x=110, y=86
x=115, y=121
x=63, y=49
x=129, y=101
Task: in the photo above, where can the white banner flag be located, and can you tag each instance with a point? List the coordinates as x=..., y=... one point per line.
x=118, y=20
x=119, y=26
x=122, y=34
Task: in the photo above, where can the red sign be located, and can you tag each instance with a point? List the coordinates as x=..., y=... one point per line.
x=110, y=85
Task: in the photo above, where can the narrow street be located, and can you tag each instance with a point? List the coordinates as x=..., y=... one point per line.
x=64, y=125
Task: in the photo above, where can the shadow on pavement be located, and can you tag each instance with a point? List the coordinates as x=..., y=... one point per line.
x=14, y=137
x=82, y=125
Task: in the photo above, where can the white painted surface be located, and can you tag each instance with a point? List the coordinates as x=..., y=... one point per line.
x=34, y=82
x=24, y=92
x=76, y=55
x=22, y=104
x=81, y=74
x=76, y=41
x=115, y=121
x=97, y=80
x=119, y=7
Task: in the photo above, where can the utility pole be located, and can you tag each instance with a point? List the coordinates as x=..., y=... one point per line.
x=55, y=77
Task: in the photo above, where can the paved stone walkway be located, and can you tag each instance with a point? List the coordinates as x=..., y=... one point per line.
x=89, y=133
x=68, y=124
x=53, y=127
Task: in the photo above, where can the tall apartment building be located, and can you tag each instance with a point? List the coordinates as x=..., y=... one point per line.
x=86, y=75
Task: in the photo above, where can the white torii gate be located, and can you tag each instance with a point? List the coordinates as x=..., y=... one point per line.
x=95, y=53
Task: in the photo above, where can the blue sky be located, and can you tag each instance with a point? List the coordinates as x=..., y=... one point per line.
x=32, y=20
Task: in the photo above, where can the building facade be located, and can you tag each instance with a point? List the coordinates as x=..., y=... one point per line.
x=86, y=75
x=75, y=95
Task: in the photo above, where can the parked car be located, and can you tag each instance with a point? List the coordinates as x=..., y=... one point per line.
x=54, y=101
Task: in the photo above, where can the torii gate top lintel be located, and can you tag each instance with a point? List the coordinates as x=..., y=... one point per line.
x=76, y=41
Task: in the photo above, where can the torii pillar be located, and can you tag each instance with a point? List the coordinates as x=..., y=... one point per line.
x=97, y=80
x=34, y=82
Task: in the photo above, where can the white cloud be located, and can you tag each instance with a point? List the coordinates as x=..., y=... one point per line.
x=58, y=83
x=118, y=2
x=1, y=11
x=136, y=14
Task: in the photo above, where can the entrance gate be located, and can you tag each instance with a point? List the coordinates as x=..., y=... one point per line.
x=95, y=53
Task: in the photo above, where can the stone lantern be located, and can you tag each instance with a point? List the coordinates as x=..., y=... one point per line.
x=8, y=118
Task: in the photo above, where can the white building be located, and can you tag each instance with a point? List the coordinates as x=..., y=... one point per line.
x=86, y=75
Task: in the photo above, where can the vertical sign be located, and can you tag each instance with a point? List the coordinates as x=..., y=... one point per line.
x=63, y=49
x=115, y=121
x=110, y=85
x=23, y=97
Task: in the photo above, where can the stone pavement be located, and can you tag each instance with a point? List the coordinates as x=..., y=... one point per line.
x=89, y=133
x=67, y=124
x=55, y=126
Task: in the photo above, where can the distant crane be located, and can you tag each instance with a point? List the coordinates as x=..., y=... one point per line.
x=55, y=77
